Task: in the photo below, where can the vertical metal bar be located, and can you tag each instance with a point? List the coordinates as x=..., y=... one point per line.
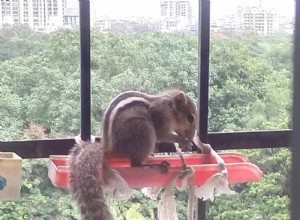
x=203, y=65
x=203, y=74
x=85, y=69
x=295, y=142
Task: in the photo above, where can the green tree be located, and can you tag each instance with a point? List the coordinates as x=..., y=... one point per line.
x=250, y=79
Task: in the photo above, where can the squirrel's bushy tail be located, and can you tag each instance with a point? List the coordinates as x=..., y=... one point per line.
x=86, y=182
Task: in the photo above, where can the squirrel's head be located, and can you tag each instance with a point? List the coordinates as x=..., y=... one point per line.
x=185, y=115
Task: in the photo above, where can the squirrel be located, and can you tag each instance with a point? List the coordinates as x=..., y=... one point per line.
x=132, y=125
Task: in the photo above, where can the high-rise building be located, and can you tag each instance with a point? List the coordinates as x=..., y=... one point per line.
x=102, y=24
x=42, y=15
x=71, y=17
x=257, y=19
x=175, y=15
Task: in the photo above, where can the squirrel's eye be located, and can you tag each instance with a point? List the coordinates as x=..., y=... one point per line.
x=190, y=118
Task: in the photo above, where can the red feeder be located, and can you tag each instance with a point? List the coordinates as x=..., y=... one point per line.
x=240, y=170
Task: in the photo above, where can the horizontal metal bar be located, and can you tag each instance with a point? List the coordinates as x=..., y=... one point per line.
x=38, y=148
x=220, y=141
x=250, y=139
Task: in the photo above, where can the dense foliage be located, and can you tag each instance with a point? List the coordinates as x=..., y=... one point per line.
x=250, y=78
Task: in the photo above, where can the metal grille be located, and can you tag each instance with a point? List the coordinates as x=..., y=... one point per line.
x=234, y=140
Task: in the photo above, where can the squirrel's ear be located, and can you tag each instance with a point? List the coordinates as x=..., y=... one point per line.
x=180, y=98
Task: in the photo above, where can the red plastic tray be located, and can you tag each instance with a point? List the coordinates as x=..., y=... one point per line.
x=240, y=170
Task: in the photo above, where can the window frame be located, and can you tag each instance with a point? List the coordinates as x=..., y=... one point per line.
x=220, y=141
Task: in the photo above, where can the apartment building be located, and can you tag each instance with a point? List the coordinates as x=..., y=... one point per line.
x=258, y=19
x=102, y=24
x=41, y=15
x=71, y=18
x=226, y=23
x=175, y=15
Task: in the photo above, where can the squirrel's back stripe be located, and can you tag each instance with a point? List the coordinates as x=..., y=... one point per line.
x=122, y=104
x=112, y=105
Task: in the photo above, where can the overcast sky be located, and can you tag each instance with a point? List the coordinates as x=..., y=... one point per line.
x=122, y=8
x=286, y=7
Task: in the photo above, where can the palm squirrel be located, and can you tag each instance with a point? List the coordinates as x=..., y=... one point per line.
x=132, y=125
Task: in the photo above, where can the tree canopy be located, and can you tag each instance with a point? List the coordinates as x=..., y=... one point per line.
x=250, y=78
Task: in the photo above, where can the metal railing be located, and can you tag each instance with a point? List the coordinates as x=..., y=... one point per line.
x=219, y=140
x=295, y=140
